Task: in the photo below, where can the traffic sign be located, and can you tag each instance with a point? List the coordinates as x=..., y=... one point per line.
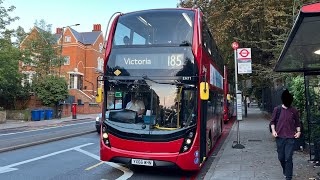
x=235, y=45
x=244, y=53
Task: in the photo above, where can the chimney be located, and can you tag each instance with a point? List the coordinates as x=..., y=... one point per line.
x=96, y=27
x=58, y=30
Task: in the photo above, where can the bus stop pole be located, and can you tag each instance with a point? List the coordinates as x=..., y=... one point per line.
x=238, y=145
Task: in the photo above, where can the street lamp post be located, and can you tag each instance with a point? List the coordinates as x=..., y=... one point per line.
x=61, y=45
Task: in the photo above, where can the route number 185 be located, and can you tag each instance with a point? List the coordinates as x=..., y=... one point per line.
x=175, y=60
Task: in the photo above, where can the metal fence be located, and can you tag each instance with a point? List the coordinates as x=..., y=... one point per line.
x=270, y=98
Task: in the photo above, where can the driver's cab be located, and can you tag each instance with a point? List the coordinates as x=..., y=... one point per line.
x=165, y=105
x=137, y=102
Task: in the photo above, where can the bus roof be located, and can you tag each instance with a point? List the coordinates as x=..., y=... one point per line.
x=160, y=9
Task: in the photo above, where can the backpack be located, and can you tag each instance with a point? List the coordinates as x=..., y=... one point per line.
x=277, y=118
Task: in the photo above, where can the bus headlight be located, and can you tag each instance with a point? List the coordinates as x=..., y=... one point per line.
x=188, y=140
x=105, y=136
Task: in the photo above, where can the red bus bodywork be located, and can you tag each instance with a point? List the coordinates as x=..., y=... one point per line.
x=168, y=153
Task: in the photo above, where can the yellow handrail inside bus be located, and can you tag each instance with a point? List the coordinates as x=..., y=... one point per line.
x=164, y=128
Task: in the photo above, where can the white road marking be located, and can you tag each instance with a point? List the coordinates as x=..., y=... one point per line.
x=127, y=173
x=9, y=168
x=45, y=128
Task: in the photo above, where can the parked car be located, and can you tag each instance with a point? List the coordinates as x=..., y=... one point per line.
x=99, y=117
x=98, y=122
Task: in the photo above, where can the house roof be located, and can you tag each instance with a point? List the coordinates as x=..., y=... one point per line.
x=90, y=37
x=84, y=37
x=46, y=35
x=301, y=52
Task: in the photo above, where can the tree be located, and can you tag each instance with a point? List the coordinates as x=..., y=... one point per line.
x=20, y=34
x=43, y=25
x=10, y=78
x=262, y=25
x=41, y=53
x=5, y=19
x=51, y=90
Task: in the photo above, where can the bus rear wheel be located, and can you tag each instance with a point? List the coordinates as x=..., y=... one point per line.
x=209, y=142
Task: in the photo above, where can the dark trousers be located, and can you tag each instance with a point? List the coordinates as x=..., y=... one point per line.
x=285, y=148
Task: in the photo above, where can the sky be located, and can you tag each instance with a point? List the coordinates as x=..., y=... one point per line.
x=62, y=13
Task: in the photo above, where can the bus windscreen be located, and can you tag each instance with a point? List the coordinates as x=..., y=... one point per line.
x=157, y=27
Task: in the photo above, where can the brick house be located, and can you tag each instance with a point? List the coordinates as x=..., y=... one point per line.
x=83, y=53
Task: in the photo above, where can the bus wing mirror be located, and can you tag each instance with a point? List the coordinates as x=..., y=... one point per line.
x=99, y=95
x=204, y=91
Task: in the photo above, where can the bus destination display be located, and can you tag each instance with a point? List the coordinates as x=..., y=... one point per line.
x=150, y=61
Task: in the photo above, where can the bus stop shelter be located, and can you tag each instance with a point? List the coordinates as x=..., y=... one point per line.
x=301, y=53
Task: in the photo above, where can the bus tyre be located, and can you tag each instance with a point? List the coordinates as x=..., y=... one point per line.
x=209, y=142
x=221, y=128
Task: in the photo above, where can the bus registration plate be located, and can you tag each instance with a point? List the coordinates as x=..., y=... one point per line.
x=142, y=162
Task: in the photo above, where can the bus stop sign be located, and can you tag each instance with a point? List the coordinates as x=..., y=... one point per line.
x=235, y=45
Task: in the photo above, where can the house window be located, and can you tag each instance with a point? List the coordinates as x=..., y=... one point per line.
x=67, y=39
x=100, y=63
x=66, y=60
x=27, y=77
x=32, y=61
x=100, y=47
x=76, y=81
x=71, y=83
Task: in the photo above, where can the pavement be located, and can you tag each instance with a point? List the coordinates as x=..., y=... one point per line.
x=12, y=124
x=258, y=160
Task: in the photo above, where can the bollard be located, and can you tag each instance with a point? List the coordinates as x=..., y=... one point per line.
x=74, y=111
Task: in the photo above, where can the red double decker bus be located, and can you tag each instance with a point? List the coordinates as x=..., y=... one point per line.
x=168, y=60
x=228, y=108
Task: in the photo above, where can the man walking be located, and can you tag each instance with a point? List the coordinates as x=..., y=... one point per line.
x=286, y=129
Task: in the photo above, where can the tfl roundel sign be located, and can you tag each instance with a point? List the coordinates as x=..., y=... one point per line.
x=244, y=53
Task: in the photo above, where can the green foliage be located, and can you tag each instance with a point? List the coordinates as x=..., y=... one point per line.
x=20, y=34
x=297, y=89
x=43, y=25
x=40, y=53
x=10, y=78
x=262, y=26
x=51, y=89
x=5, y=19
